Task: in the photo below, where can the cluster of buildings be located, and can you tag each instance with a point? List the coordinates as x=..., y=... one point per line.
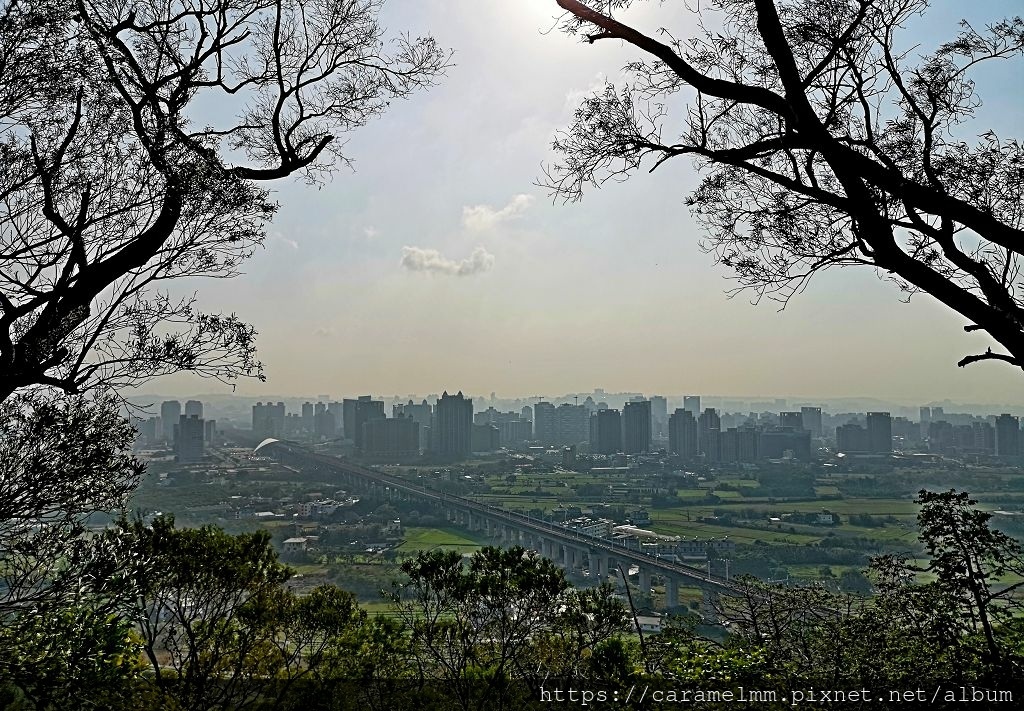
x=450, y=428
x=186, y=433
x=951, y=433
x=691, y=435
x=636, y=538
x=936, y=432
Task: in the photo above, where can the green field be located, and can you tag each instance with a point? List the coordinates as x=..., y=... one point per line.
x=380, y=608
x=748, y=483
x=443, y=538
x=673, y=522
x=728, y=494
x=692, y=493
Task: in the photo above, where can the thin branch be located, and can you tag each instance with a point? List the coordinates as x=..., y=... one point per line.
x=989, y=355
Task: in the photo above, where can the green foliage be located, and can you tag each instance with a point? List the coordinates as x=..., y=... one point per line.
x=72, y=657
x=63, y=638
x=501, y=615
x=219, y=629
x=958, y=629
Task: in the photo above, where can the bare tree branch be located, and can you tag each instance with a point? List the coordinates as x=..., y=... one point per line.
x=821, y=146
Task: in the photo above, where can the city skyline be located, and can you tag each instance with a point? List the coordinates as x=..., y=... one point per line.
x=733, y=403
x=439, y=260
x=455, y=428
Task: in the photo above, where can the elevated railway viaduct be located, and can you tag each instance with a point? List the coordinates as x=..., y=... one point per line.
x=574, y=550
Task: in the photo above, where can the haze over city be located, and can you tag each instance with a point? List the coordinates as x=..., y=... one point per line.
x=440, y=264
x=436, y=355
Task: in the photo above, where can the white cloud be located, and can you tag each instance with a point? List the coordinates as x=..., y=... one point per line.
x=324, y=332
x=575, y=97
x=288, y=242
x=417, y=259
x=480, y=218
x=370, y=232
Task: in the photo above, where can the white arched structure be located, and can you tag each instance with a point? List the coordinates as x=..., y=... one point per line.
x=264, y=443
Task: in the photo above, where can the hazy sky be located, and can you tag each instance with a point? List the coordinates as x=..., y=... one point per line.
x=438, y=264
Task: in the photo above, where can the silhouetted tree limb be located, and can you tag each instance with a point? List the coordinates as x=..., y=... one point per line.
x=63, y=459
x=110, y=186
x=988, y=355
x=821, y=146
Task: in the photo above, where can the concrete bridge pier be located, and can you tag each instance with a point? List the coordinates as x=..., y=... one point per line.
x=644, y=578
x=707, y=606
x=576, y=562
x=671, y=591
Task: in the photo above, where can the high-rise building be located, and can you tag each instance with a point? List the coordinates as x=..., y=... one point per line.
x=792, y=419
x=683, y=436
x=210, y=431
x=189, y=434
x=148, y=430
x=940, y=437
x=905, y=431
x=879, y=426
x=397, y=437
x=748, y=440
x=453, y=425
x=323, y=423
x=515, y=432
x=739, y=444
x=605, y=432
x=421, y=413
x=659, y=416
x=1007, y=436
x=269, y=420
x=812, y=420
x=851, y=437
x=170, y=413
x=194, y=407
x=357, y=413
x=337, y=411
x=729, y=444
x=711, y=444
x=488, y=416
x=691, y=403
x=708, y=420
x=636, y=427
x=308, y=415
x=485, y=437
x=777, y=442
x=348, y=418
x=572, y=424
x=984, y=437
x=544, y=423
x=260, y=420
x=526, y=413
